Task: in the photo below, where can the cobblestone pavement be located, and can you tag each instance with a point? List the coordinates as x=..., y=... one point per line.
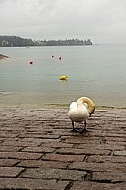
x=37, y=150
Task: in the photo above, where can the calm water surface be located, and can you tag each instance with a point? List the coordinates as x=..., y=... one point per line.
x=97, y=71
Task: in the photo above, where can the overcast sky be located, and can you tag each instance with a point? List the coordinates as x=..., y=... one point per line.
x=103, y=21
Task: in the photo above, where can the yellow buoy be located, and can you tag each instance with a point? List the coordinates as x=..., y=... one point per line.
x=64, y=77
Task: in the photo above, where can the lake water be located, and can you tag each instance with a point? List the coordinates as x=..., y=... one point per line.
x=97, y=71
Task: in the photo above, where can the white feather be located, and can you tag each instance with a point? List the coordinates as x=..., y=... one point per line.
x=78, y=113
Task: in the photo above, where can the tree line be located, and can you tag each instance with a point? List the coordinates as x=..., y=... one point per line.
x=16, y=41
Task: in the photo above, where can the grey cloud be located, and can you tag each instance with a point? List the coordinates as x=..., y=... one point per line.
x=102, y=21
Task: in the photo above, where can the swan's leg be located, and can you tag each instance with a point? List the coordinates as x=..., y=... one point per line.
x=85, y=128
x=74, y=130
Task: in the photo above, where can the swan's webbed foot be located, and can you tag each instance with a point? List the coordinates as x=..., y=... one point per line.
x=84, y=129
x=74, y=131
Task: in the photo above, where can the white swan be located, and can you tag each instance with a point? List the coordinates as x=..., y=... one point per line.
x=80, y=110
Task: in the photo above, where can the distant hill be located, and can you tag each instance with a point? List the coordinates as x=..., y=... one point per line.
x=16, y=41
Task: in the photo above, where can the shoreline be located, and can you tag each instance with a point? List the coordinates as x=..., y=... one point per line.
x=12, y=99
x=3, y=57
x=54, y=106
x=8, y=100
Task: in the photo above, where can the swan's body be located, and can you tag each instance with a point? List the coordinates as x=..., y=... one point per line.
x=80, y=111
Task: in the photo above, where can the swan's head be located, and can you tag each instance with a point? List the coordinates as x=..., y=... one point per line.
x=88, y=103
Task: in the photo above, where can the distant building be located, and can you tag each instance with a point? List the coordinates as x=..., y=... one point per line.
x=5, y=43
x=87, y=42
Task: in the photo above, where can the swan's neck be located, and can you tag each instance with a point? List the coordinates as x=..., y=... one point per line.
x=90, y=106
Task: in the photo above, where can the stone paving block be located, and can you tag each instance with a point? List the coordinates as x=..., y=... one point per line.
x=38, y=149
x=8, y=162
x=77, y=151
x=10, y=148
x=8, y=134
x=113, y=176
x=105, y=159
x=59, y=131
x=20, y=155
x=120, y=153
x=23, y=183
x=4, y=182
x=49, y=173
x=106, y=166
x=10, y=171
x=21, y=142
x=39, y=135
x=115, y=141
x=63, y=158
x=114, y=134
x=1, y=139
x=97, y=186
x=102, y=146
x=42, y=164
x=81, y=139
x=44, y=141
x=57, y=145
